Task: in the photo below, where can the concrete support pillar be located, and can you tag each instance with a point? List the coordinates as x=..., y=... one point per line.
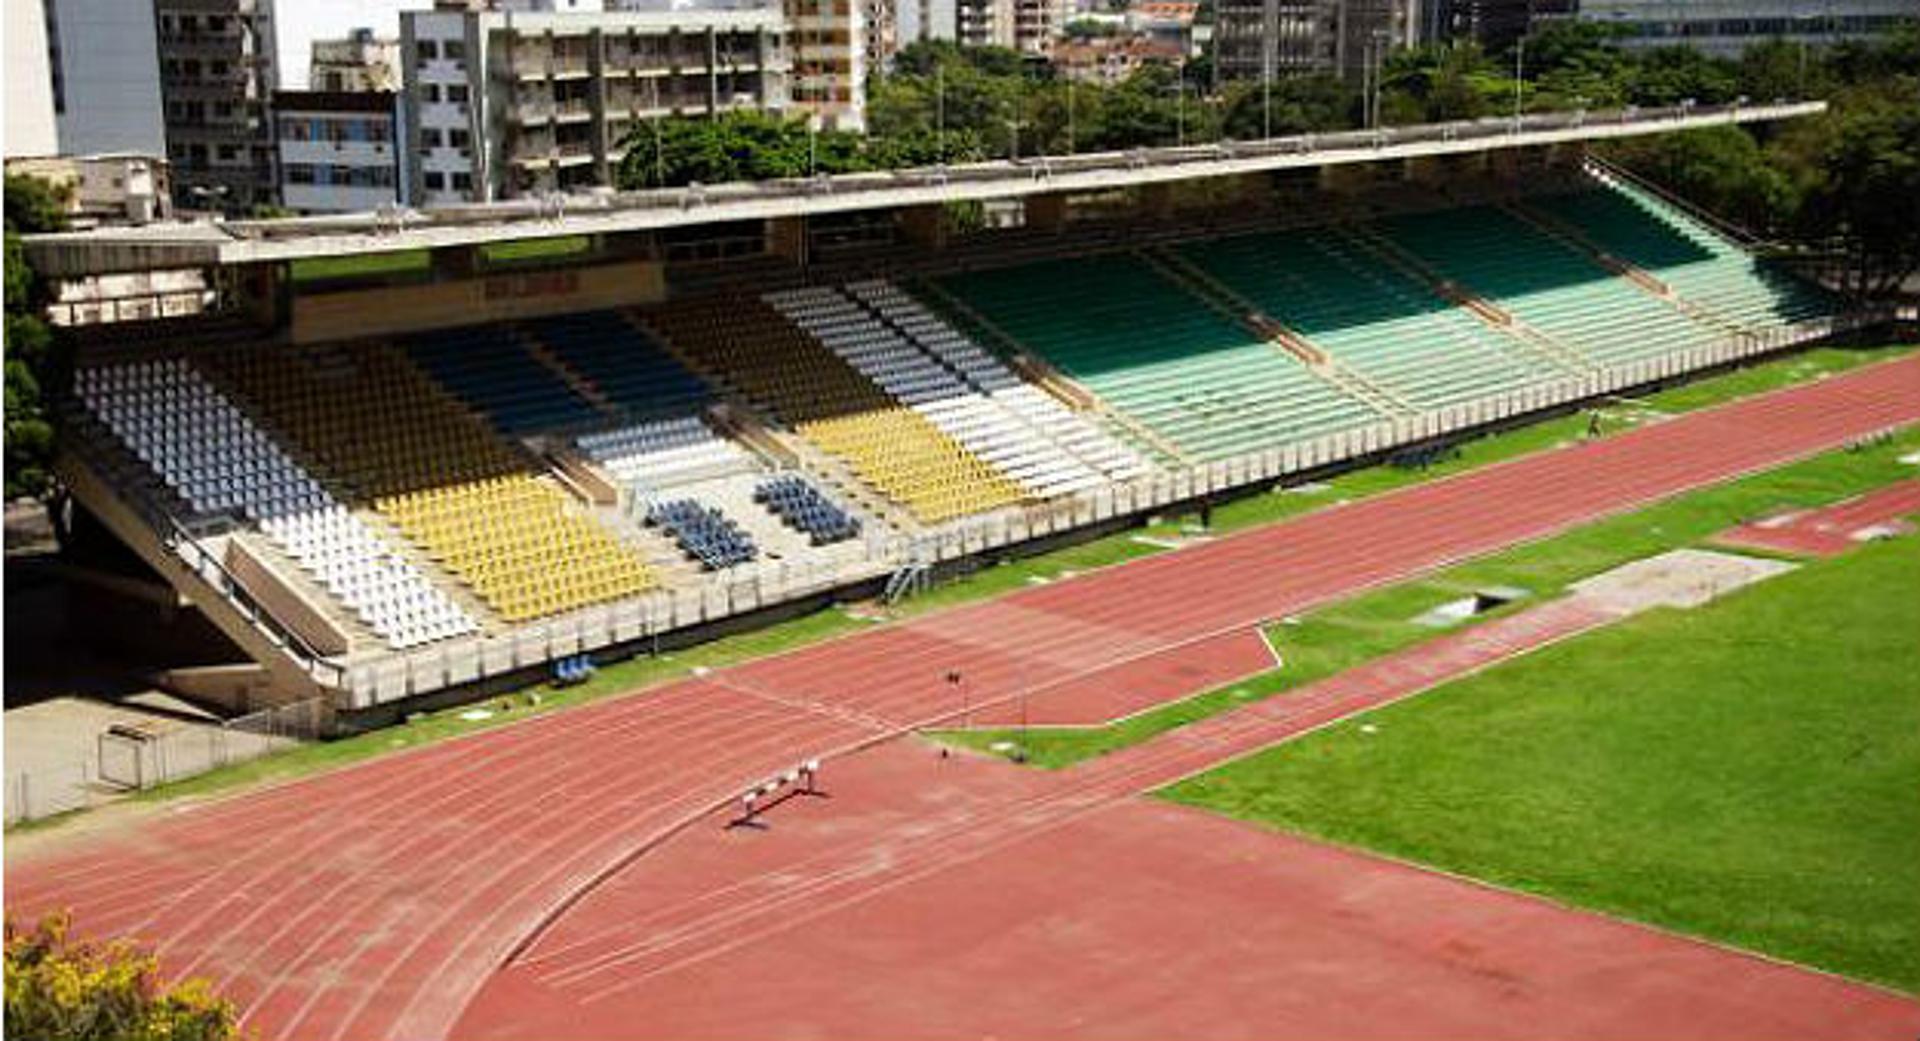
x=1157, y=201
x=924, y=226
x=264, y=290
x=787, y=237
x=1046, y=211
x=1346, y=178
x=455, y=263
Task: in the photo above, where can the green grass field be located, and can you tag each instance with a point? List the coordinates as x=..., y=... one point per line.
x=371, y=265
x=1340, y=636
x=1748, y=771
x=1330, y=640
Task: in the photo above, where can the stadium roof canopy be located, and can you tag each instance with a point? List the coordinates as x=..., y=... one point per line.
x=227, y=243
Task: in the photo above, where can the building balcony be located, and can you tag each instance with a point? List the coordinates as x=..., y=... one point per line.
x=564, y=154
x=544, y=110
x=543, y=65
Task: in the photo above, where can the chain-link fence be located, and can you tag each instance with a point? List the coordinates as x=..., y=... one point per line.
x=132, y=756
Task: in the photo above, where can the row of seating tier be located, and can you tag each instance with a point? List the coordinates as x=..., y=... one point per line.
x=989, y=375
x=705, y=533
x=887, y=357
x=1552, y=286
x=488, y=367
x=1693, y=260
x=1159, y=354
x=1388, y=326
x=802, y=507
x=623, y=364
x=657, y=454
x=748, y=344
x=380, y=429
x=212, y=454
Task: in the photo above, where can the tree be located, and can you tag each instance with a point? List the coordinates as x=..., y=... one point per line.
x=1721, y=169
x=60, y=989
x=1859, y=170
x=1295, y=105
x=33, y=362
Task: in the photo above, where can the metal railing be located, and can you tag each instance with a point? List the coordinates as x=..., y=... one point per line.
x=185, y=544
x=1015, y=171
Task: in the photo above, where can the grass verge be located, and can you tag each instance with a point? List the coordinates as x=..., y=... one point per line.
x=1340, y=636
x=1744, y=771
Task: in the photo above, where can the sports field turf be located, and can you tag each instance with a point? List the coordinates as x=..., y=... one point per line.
x=1342, y=635
x=1747, y=771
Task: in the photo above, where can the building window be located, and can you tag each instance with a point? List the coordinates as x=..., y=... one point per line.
x=431, y=137
x=436, y=181
x=462, y=182
x=457, y=93
x=429, y=50
x=458, y=139
x=228, y=153
x=455, y=50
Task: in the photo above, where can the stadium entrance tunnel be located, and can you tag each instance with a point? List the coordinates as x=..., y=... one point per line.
x=1453, y=612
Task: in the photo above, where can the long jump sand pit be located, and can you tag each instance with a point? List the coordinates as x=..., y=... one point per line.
x=1677, y=578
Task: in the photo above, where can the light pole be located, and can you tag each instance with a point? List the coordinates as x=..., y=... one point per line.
x=1519, y=76
x=1266, y=87
x=1071, y=134
x=653, y=120
x=1180, y=105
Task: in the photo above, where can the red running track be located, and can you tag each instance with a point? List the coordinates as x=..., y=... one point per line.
x=374, y=901
x=1132, y=918
x=1829, y=530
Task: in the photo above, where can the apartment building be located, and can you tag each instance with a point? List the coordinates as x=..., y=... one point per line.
x=1257, y=38
x=1028, y=26
x=217, y=77
x=360, y=61
x=339, y=151
x=507, y=102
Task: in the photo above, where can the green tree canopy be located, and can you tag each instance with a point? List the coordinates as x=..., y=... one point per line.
x=31, y=360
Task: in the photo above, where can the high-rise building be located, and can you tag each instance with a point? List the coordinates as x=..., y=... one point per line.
x=918, y=21
x=501, y=102
x=1494, y=24
x=1028, y=26
x=31, y=128
x=828, y=39
x=217, y=77
x=882, y=20
x=360, y=61
x=103, y=68
x=1727, y=27
x=1257, y=38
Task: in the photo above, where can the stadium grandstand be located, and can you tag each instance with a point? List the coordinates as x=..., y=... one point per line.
x=407, y=455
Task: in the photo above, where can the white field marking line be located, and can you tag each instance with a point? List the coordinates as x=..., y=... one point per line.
x=1245, y=725
x=691, y=717
x=1078, y=807
x=586, y=822
x=1821, y=442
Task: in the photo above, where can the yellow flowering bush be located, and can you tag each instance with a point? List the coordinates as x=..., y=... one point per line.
x=60, y=989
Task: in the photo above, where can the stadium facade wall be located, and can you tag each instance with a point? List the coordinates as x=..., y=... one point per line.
x=494, y=298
